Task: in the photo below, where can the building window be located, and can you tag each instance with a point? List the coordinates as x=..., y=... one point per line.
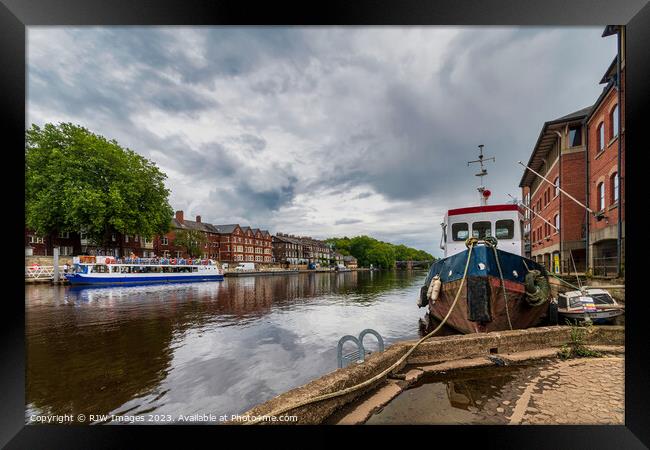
x=613, y=182
x=35, y=239
x=126, y=238
x=113, y=237
x=601, y=196
x=164, y=240
x=64, y=235
x=614, y=121
x=147, y=241
x=557, y=223
x=601, y=137
x=575, y=136
x=178, y=254
x=557, y=186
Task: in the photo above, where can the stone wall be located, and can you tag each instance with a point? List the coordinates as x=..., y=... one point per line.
x=46, y=260
x=436, y=349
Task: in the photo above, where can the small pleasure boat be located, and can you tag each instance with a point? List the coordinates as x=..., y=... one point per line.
x=596, y=305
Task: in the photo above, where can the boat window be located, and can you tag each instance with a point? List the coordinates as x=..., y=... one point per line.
x=459, y=231
x=602, y=299
x=504, y=229
x=561, y=302
x=575, y=302
x=482, y=229
x=100, y=268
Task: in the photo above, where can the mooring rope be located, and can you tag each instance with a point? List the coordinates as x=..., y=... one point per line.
x=492, y=243
x=470, y=242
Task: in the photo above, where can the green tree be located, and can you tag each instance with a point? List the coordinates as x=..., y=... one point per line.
x=369, y=250
x=193, y=241
x=76, y=180
x=381, y=255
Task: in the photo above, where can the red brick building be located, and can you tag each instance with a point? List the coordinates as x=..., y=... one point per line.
x=606, y=166
x=559, y=156
x=226, y=243
x=166, y=247
x=78, y=244
x=287, y=249
x=591, y=168
x=68, y=243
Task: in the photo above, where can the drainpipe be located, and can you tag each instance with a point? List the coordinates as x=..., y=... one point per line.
x=618, y=168
x=587, y=216
x=559, y=156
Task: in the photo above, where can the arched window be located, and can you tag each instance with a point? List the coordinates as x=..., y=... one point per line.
x=613, y=183
x=614, y=121
x=601, y=196
x=601, y=136
x=557, y=186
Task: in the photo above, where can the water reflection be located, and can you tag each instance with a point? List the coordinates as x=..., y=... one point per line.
x=204, y=347
x=470, y=396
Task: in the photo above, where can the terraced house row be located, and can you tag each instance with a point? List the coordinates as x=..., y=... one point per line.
x=226, y=243
x=291, y=249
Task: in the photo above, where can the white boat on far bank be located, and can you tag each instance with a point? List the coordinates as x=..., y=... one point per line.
x=109, y=270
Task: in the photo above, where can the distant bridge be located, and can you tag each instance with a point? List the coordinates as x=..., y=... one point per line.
x=411, y=264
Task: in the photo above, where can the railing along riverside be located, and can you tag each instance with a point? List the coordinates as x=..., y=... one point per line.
x=41, y=272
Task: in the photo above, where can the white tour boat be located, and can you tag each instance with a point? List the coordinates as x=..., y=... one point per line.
x=109, y=270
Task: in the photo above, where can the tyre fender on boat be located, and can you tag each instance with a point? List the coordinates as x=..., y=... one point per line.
x=538, y=289
x=434, y=288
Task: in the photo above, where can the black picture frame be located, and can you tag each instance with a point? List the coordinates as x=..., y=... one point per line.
x=16, y=15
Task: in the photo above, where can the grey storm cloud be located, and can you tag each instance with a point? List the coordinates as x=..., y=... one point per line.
x=263, y=117
x=347, y=221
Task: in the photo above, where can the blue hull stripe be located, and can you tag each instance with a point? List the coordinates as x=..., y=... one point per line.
x=76, y=279
x=452, y=267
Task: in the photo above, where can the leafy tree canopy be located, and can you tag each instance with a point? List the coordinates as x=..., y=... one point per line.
x=369, y=250
x=191, y=240
x=77, y=180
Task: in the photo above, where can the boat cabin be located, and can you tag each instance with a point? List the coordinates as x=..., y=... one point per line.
x=504, y=222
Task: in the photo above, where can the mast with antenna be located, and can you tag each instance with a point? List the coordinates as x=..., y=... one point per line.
x=484, y=194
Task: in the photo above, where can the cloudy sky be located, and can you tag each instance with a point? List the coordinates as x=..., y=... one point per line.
x=322, y=131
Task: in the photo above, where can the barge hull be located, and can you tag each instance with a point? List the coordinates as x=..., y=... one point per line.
x=522, y=315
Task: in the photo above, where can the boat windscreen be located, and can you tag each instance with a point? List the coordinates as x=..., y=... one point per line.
x=482, y=229
x=504, y=229
x=459, y=231
x=602, y=299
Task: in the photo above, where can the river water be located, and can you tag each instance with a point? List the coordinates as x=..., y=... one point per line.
x=198, y=348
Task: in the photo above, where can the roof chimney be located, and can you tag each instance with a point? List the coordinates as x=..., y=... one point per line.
x=198, y=219
x=179, y=216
